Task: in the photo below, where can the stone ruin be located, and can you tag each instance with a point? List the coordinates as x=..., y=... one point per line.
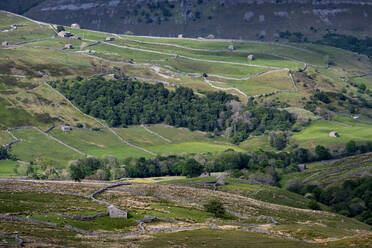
x=115, y=212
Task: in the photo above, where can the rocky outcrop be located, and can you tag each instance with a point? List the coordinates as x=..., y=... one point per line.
x=191, y=19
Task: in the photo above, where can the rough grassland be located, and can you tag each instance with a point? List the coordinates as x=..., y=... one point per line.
x=333, y=171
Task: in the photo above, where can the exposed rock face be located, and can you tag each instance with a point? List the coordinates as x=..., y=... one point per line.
x=246, y=19
x=115, y=212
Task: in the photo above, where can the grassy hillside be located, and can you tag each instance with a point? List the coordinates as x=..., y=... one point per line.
x=26, y=100
x=329, y=172
x=37, y=147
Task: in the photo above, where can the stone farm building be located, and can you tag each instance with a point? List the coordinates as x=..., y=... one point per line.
x=64, y=34
x=66, y=128
x=334, y=134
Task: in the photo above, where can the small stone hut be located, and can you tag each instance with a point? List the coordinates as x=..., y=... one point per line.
x=334, y=134
x=68, y=46
x=115, y=212
x=66, y=128
x=64, y=34
x=250, y=57
x=75, y=26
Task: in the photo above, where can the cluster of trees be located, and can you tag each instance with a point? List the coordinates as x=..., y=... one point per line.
x=124, y=103
x=99, y=169
x=4, y=153
x=293, y=37
x=256, y=119
x=353, y=198
x=348, y=42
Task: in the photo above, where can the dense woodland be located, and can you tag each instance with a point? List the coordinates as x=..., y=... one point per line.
x=123, y=103
x=348, y=42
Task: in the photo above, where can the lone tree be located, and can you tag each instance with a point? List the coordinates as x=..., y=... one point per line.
x=76, y=173
x=216, y=207
x=4, y=153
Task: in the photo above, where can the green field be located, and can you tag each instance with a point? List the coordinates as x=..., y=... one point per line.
x=317, y=133
x=192, y=147
x=31, y=30
x=5, y=138
x=210, y=54
x=98, y=143
x=6, y=168
x=253, y=47
x=36, y=147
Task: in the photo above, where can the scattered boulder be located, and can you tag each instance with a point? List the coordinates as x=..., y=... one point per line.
x=75, y=26
x=205, y=174
x=115, y=212
x=210, y=36
x=231, y=48
x=220, y=180
x=251, y=57
x=180, y=36
x=302, y=167
x=334, y=134
x=4, y=43
x=110, y=38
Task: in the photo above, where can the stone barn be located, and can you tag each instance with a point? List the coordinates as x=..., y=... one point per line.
x=64, y=34
x=334, y=134
x=115, y=212
x=68, y=46
x=66, y=128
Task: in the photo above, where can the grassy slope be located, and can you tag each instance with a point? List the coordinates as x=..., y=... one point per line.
x=330, y=172
x=98, y=143
x=6, y=168
x=5, y=138
x=267, y=194
x=36, y=146
x=318, y=133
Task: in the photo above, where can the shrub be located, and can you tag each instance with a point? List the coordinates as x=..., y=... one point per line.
x=216, y=207
x=313, y=205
